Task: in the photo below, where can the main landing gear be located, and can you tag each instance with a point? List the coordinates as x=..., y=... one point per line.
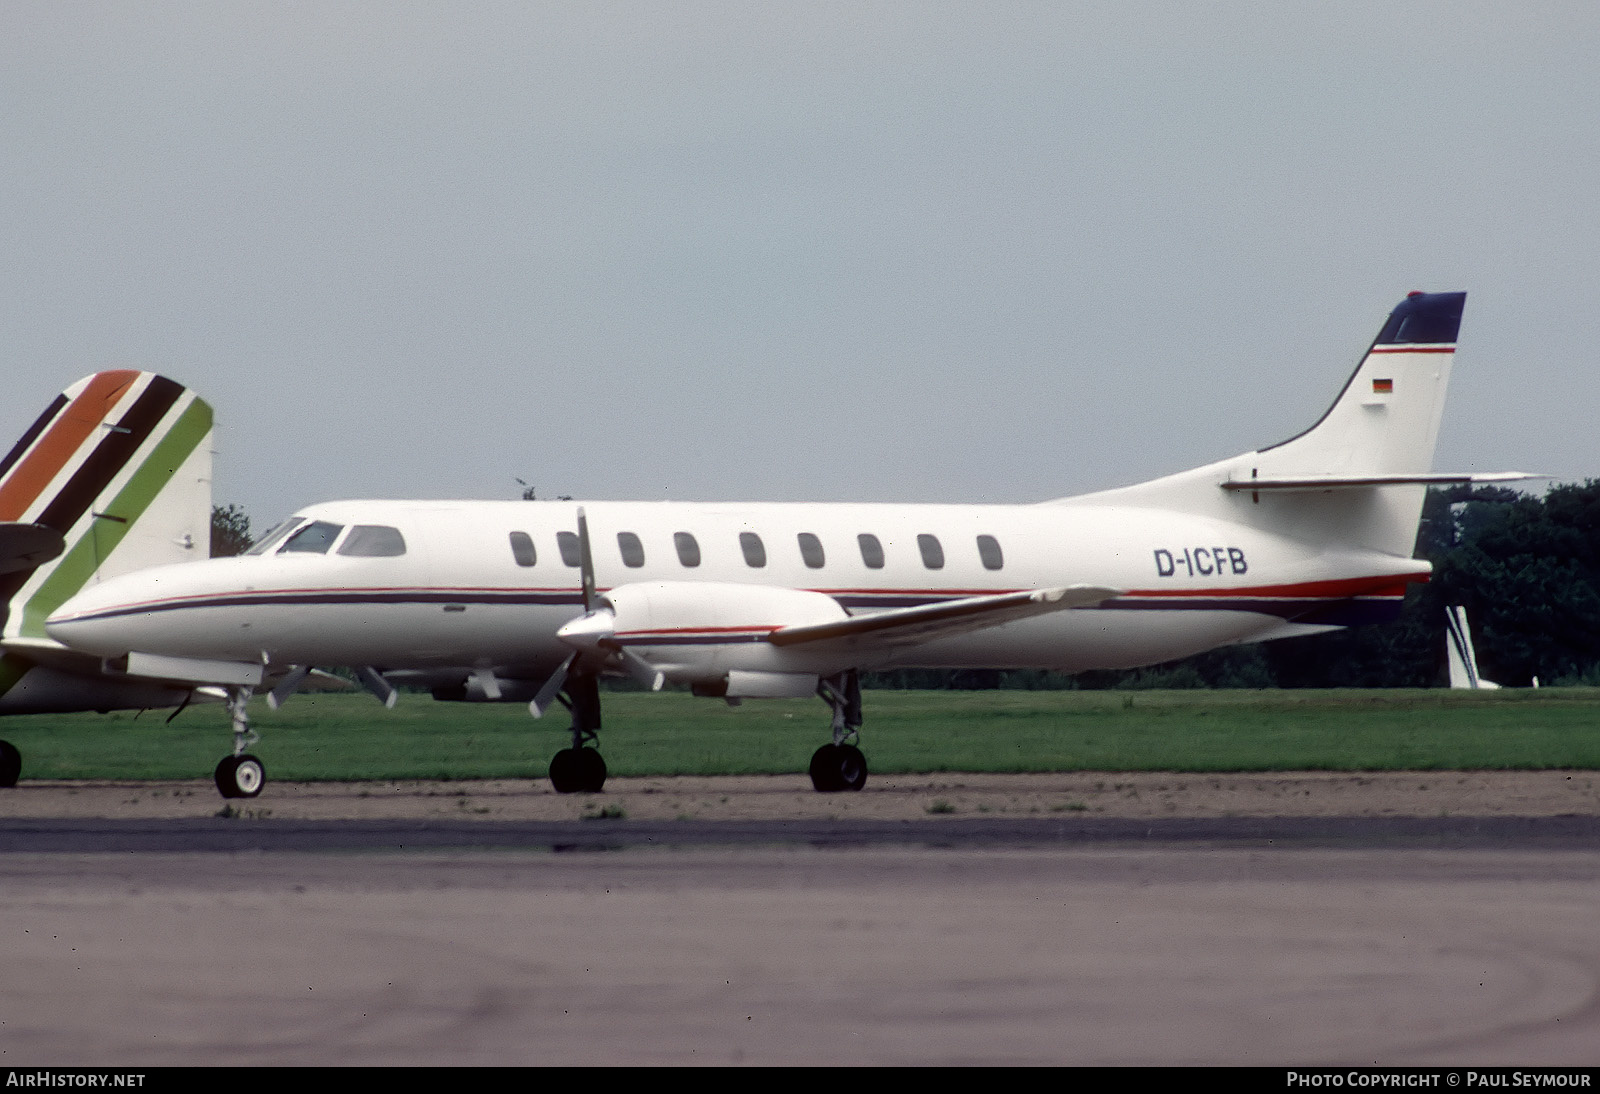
x=840, y=765
x=241, y=775
x=581, y=767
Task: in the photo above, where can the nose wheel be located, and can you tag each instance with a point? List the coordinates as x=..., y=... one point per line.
x=241, y=776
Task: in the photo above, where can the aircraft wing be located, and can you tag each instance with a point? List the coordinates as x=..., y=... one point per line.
x=928, y=621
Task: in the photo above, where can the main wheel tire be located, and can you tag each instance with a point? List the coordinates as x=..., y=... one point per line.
x=591, y=770
x=566, y=774
x=825, y=770
x=10, y=764
x=852, y=768
x=241, y=776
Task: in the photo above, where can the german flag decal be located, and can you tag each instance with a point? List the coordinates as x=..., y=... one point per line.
x=1382, y=387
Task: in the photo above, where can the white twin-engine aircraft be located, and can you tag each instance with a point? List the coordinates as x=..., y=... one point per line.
x=534, y=601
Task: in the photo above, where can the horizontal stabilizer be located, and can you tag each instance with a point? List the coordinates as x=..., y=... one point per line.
x=947, y=618
x=1359, y=482
x=28, y=546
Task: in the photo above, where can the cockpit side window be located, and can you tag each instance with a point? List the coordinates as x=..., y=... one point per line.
x=373, y=541
x=275, y=535
x=315, y=538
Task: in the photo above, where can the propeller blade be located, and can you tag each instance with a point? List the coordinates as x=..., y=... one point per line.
x=288, y=686
x=486, y=680
x=585, y=561
x=642, y=670
x=552, y=687
x=377, y=685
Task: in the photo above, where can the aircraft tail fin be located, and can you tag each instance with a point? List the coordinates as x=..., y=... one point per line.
x=1358, y=475
x=114, y=476
x=1386, y=420
x=1458, y=651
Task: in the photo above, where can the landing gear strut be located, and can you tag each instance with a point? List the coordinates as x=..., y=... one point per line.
x=580, y=768
x=241, y=775
x=840, y=765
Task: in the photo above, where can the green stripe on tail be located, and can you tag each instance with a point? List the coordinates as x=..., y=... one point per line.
x=80, y=562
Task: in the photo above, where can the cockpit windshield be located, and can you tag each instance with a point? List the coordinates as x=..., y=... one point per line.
x=314, y=538
x=275, y=536
x=373, y=541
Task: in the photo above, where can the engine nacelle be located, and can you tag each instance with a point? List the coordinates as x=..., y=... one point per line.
x=700, y=632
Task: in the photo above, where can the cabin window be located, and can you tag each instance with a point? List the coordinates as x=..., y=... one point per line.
x=275, y=535
x=373, y=541
x=755, y=553
x=315, y=538
x=989, y=551
x=522, y=549
x=932, y=553
x=811, y=550
x=871, y=551
x=688, y=549
x=567, y=544
x=632, y=550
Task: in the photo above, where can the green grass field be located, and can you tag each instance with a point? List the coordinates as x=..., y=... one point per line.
x=352, y=737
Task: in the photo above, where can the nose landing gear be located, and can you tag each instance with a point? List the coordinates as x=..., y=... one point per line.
x=241, y=775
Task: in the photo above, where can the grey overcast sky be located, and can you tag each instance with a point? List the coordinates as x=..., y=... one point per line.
x=812, y=251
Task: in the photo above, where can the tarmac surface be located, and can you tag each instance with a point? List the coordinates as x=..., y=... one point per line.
x=954, y=920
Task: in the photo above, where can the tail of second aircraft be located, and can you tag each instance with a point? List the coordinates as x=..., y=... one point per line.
x=113, y=477
x=1358, y=475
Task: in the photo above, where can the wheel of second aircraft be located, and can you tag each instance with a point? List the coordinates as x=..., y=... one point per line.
x=240, y=776
x=10, y=764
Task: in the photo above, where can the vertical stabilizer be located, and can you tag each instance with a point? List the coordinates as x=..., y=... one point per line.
x=1357, y=477
x=1386, y=420
x=117, y=471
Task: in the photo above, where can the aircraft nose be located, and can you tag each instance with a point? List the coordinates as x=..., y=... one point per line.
x=100, y=619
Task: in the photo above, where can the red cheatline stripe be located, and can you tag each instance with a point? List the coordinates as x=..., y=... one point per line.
x=1413, y=349
x=1361, y=586
x=64, y=438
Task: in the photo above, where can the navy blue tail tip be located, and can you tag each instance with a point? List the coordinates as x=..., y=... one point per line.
x=1427, y=318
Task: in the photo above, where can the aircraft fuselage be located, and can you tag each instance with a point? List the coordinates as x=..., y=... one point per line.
x=489, y=583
